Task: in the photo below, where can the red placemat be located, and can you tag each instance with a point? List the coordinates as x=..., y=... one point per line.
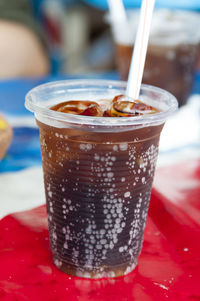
x=168, y=268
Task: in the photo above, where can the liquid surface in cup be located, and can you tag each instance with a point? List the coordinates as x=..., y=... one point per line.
x=98, y=187
x=119, y=106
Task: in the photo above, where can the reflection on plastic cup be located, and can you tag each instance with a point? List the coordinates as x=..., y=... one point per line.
x=98, y=175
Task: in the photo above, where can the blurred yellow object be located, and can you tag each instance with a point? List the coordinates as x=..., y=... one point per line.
x=5, y=136
x=2, y=124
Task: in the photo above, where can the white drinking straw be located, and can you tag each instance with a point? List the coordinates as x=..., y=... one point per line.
x=117, y=11
x=140, y=49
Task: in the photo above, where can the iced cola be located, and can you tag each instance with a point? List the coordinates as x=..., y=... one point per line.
x=172, y=52
x=99, y=152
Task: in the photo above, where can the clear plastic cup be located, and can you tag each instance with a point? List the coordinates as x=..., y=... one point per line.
x=172, y=52
x=98, y=174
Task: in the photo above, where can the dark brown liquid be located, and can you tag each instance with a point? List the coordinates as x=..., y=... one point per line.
x=98, y=187
x=119, y=106
x=170, y=68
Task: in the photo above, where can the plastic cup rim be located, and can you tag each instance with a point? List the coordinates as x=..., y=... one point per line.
x=36, y=108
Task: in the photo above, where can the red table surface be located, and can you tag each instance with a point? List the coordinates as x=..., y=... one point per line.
x=168, y=268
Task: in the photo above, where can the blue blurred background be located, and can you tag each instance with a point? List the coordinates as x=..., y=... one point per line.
x=178, y=4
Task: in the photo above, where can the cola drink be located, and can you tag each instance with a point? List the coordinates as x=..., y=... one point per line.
x=170, y=68
x=98, y=172
x=172, y=51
